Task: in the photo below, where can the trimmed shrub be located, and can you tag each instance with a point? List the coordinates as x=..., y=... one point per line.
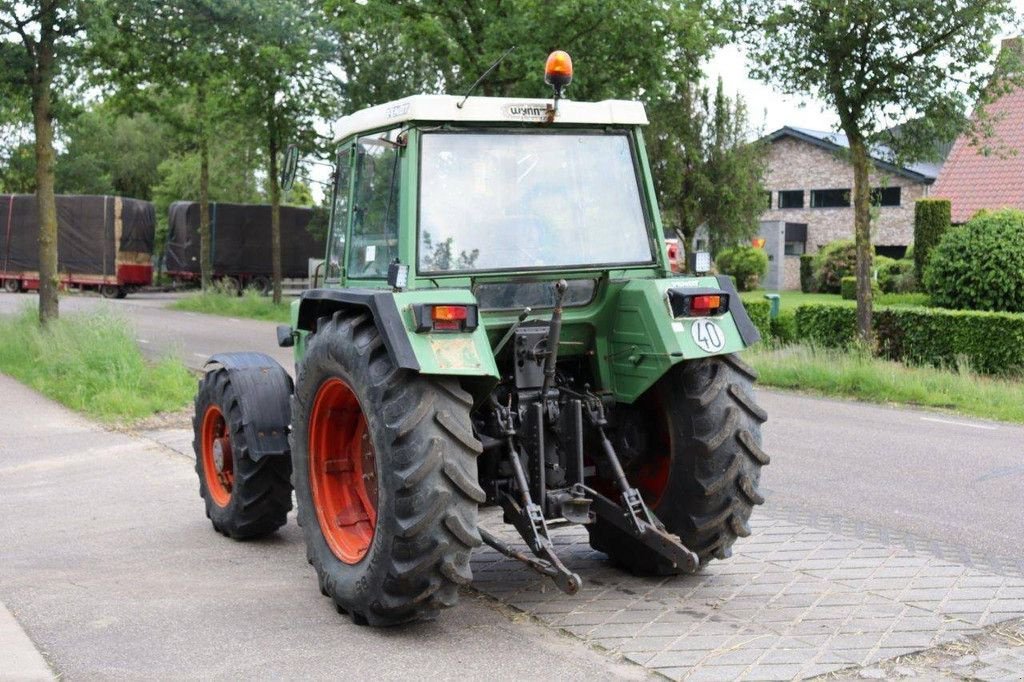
x=848, y=288
x=760, y=315
x=832, y=263
x=833, y=325
x=807, y=273
x=896, y=276
x=784, y=328
x=980, y=265
x=931, y=221
x=747, y=264
x=985, y=342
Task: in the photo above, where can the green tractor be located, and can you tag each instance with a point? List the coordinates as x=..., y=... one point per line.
x=498, y=325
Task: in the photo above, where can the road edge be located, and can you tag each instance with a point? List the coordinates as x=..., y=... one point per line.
x=21, y=659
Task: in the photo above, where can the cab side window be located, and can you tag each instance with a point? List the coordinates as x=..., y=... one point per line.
x=375, y=206
x=339, y=215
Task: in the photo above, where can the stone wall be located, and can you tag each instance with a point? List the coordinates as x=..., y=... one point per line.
x=794, y=164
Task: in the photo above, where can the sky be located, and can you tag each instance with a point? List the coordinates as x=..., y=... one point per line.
x=770, y=111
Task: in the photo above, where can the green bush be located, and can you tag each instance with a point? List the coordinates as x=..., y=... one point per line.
x=760, y=315
x=783, y=328
x=747, y=264
x=807, y=273
x=980, y=266
x=985, y=342
x=832, y=263
x=895, y=276
x=931, y=221
x=848, y=288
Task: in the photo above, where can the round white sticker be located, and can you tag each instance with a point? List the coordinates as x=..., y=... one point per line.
x=708, y=336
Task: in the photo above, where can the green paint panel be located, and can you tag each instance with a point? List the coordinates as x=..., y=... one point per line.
x=645, y=342
x=455, y=354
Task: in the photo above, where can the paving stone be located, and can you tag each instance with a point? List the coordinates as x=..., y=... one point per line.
x=716, y=673
x=793, y=601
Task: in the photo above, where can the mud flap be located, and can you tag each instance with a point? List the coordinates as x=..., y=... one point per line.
x=264, y=390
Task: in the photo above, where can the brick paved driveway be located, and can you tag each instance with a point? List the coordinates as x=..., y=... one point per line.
x=793, y=601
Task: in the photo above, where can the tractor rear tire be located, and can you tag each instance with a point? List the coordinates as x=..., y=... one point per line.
x=244, y=498
x=701, y=480
x=385, y=476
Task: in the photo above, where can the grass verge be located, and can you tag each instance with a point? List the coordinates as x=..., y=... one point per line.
x=249, y=304
x=92, y=364
x=791, y=300
x=858, y=375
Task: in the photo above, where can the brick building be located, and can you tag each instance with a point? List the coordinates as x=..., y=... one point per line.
x=810, y=182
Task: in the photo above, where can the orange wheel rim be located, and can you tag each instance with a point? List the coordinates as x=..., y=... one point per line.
x=218, y=461
x=342, y=471
x=651, y=476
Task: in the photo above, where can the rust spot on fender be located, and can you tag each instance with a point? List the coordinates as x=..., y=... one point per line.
x=455, y=352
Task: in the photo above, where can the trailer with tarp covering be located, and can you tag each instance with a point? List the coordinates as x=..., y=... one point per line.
x=103, y=242
x=240, y=243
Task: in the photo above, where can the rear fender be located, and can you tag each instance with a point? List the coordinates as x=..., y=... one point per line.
x=645, y=340
x=264, y=391
x=460, y=354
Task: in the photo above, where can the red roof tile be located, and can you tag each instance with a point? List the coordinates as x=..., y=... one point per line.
x=972, y=180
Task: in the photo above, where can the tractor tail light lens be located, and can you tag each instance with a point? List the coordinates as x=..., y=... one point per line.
x=698, y=303
x=445, y=318
x=705, y=304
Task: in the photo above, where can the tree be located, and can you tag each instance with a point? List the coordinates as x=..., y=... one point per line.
x=877, y=63
x=282, y=85
x=396, y=48
x=110, y=153
x=42, y=30
x=706, y=170
x=168, y=59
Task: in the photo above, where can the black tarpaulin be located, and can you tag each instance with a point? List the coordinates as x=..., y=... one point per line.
x=87, y=228
x=240, y=239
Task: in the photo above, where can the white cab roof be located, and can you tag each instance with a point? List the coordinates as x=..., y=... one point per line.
x=444, y=108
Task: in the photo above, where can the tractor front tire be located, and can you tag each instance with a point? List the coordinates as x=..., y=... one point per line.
x=385, y=476
x=244, y=498
x=701, y=472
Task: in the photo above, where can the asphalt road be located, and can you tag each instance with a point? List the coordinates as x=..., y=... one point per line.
x=114, y=575
x=937, y=477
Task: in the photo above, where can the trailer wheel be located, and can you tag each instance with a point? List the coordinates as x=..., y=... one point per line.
x=111, y=291
x=385, y=475
x=12, y=286
x=699, y=463
x=244, y=498
x=260, y=284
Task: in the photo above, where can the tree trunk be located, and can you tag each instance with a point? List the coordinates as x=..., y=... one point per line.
x=46, y=202
x=205, y=241
x=275, y=210
x=862, y=235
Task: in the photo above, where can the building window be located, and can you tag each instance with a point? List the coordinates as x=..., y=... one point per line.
x=830, y=198
x=796, y=239
x=885, y=196
x=791, y=199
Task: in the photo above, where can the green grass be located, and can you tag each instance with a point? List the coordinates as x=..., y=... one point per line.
x=249, y=304
x=791, y=300
x=858, y=375
x=92, y=364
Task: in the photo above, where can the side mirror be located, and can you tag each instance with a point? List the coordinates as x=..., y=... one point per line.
x=289, y=167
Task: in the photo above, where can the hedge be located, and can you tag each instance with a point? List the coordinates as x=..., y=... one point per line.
x=990, y=343
x=760, y=315
x=931, y=220
x=807, y=273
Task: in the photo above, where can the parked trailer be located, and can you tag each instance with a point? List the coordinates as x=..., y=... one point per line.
x=103, y=243
x=240, y=243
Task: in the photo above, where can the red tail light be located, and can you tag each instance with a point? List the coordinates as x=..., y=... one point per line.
x=445, y=318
